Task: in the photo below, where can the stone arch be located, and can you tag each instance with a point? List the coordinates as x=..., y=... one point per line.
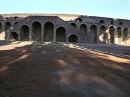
x=73, y=38
x=93, y=33
x=83, y=29
x=73, y=24
x=125, y=33
x=61, y=34
x=36, y=31
x=112, y=34
x=13, y=36
x=119, y=34
x=0, y=27
x=24, y=33
x=16, y=23
x=103, y=36
x=121, y=23
x=102, y=21
x=7, y=26
x=48, y=31
x=112, y=22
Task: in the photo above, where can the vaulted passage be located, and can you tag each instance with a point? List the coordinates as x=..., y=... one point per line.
x=73, y=38
x=83, y=29
x=125, y=34
x=0, y=27
x=73, y=24
x=36, y=31
x=61, y=34
x=7, y=26
x=93, y=32
x=48, y=31
x=119, y=34
x=103, y=36
x=112, y=34
x=24, y=33
x=13, y=36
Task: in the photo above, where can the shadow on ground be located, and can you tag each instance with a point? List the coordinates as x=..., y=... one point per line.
x=61, y=70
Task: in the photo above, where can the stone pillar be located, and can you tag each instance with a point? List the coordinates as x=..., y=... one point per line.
x=42, y=33
x=30, y=33
x=54, y=36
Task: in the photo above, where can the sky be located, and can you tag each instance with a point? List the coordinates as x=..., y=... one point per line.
x=103, y=8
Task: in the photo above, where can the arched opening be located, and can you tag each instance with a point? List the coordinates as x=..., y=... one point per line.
x=13, y=36
x=102, y=21
x=119, y=34
x=73, y=38
x=125, y=34
x=36, y=31
x=119, y=31
x=48, y=31
x=83, y=29
x=61, y=34
x=112, y=34
x=7, y=26
x=93, y=32
x=121, y=23
x=73, y=24
x=24, y=33
x=112, y=22
x=103, y=36
x=16, y=23
x=79, y=20
x=0, y=27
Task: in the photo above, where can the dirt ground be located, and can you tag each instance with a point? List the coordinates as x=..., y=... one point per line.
x=64, y=70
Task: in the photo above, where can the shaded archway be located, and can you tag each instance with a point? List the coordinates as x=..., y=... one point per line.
x=7, y=26
x=16, y=23
x=36, y=31
x=0, y=27
x=48, y=31
x=103, y=36
x=112, y=22
x=83, y=29
x=93, y=33
x=121, y=23
x=24, y=33
x=102, y=21
x=73, y=38
x=112, y=34
x=61, y=34
x=125, y=34
x=119, y=34
x=73, y=24
x=13, y=36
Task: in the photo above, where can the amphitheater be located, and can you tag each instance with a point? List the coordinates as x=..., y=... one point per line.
x=64, y=28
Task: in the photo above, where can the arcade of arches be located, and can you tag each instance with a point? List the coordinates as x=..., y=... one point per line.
x=39, y=32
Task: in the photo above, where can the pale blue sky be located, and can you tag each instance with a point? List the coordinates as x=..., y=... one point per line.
x=106, y=8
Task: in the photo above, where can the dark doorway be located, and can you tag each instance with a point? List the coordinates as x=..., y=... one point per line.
x=73, y=38
x=125, y=34
x=93, y=32
x=7, y=26
x=48, y=31
x=61, y=34
x=24, y=33
x=112, y=34
x=83, y=29
x=13, y=36
x=73, y=24
x=119, y=34
x=36, y=31
x=103, y=36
